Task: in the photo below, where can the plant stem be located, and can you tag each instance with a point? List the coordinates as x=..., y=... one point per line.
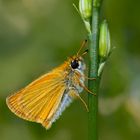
x=93, y=85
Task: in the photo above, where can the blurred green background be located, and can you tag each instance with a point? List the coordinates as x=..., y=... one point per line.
x=37, y=35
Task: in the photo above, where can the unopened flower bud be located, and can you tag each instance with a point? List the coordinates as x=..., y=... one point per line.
x=85, y=8
x=104, y=41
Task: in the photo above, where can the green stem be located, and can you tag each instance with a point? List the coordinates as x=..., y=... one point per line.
x=93, y=85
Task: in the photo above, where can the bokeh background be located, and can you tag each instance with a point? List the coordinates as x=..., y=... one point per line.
x=38, y=35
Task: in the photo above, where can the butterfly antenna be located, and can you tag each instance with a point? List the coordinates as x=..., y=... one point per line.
x=85, y=52
x=83, y=45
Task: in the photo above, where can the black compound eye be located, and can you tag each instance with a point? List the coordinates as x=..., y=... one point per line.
x=74, y=64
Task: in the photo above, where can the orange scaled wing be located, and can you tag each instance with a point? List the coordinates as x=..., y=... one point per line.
x=39, y=101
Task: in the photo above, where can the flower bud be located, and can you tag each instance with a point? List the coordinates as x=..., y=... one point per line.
x=104, y=41
x=85, y=8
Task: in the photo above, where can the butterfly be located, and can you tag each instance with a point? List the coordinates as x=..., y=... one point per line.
x=44, y=99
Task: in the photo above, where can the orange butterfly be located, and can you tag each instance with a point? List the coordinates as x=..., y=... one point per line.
x=44, y=99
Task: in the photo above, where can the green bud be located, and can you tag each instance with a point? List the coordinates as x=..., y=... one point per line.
x=85, y=8
x=104, y=41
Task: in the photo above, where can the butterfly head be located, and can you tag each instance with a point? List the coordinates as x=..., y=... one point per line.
x=77, y=63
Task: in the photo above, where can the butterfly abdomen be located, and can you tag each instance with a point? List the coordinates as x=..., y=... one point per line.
x=66, y=100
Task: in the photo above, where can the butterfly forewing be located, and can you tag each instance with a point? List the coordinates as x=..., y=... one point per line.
x=39, y=101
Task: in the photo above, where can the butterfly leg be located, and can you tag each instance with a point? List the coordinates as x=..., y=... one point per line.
x=73, y=93
x=86, y=89
x=89, y=78
x=83, y=86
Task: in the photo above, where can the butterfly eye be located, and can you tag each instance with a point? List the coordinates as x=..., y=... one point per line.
x=74, y=64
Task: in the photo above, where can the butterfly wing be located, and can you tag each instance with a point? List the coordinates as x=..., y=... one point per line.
x=39, y=101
